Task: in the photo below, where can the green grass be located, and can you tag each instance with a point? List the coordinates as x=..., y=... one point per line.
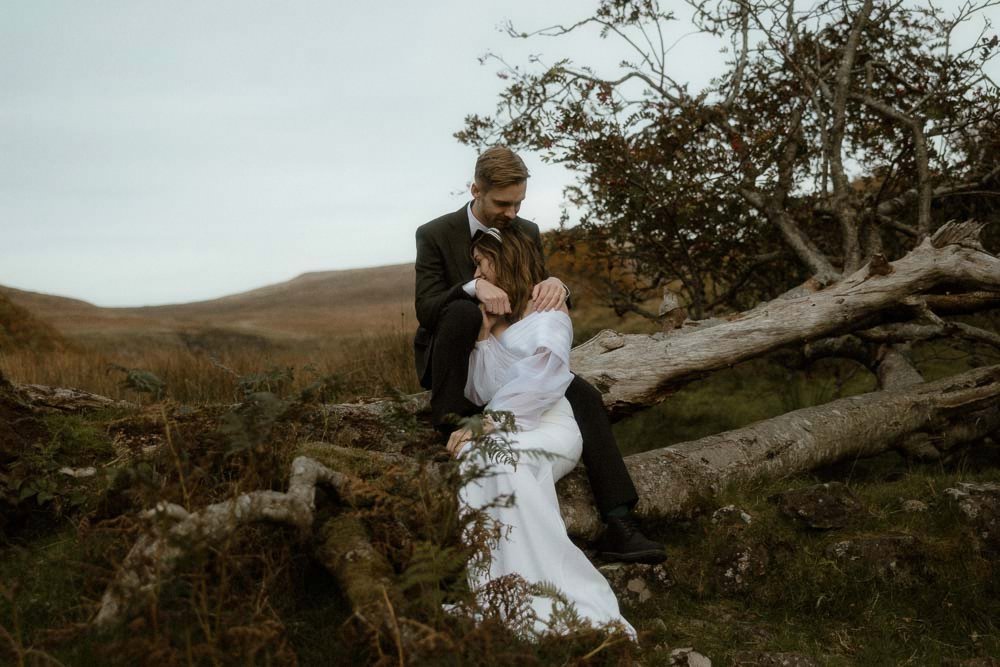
x=734, y=397
x=770, y=386
x=940, y=602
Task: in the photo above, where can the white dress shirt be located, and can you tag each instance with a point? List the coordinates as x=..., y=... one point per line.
x=474, y=226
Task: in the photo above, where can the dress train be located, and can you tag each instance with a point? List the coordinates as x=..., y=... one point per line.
x=535, y=545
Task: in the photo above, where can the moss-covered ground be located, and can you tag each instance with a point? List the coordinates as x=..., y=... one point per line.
x=925, y=593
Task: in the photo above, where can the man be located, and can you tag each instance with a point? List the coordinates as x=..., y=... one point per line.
x=447, y=303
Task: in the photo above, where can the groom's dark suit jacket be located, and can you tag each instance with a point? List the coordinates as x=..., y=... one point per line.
x=444, y=264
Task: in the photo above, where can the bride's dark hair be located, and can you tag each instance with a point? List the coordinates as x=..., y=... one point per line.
x=517, y=262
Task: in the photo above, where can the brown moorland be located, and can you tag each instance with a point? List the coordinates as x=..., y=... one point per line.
x=20, y=330
x=355, y=325
x=321, y=303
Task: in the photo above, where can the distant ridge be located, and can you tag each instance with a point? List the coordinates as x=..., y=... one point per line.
x=316, y=303
x=21, y=330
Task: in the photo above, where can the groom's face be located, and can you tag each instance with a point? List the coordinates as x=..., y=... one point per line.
x=498, y=206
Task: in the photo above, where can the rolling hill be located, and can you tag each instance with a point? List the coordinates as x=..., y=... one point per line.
x=325, y=303
x=20, y=329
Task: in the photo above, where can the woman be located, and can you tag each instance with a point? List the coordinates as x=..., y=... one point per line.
x=520, y=365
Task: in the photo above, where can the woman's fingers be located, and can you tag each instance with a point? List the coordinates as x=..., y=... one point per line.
x=457, y=440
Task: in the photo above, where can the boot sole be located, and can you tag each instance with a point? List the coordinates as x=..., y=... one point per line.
x=650, y=556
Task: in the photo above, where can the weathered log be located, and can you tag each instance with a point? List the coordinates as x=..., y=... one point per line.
x=911, y=332
x=364, y=575
x=964, y=302
x=635, y=371
x=671, y=481
x=63, y=399
x=674, y=480
x=383, y=424
x=176, y=532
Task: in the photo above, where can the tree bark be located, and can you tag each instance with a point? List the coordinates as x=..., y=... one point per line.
x=634, y=371
x=63, y=399
x=673, y=481
x=176, y=532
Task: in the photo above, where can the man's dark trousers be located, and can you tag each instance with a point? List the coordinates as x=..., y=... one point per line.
x=454, y=339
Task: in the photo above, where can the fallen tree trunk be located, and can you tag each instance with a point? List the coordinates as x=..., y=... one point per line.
x=63, y=399
x=674, y=480
x=634, y=371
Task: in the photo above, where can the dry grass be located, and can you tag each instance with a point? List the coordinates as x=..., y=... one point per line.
x=201, y=372
x=354, y=327
x=19, y=328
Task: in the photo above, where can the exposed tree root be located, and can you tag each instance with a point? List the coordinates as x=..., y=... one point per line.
x=175, y=532
x=364, y=575
x=671, y=482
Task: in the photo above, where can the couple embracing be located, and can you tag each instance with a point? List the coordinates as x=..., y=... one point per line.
x=495, y=333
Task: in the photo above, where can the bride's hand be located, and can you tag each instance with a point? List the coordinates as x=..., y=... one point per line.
x=457, y=440
x=459, y=437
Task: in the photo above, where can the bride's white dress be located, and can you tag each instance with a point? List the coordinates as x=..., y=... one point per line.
x=526, y=372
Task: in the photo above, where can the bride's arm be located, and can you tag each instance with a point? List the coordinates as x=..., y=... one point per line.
x=488, y=363
x=532, y=385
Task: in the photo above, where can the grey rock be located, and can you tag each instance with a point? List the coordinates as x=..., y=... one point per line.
x=688, y=657
x=889, y=555
x=914, y=506
x=636, y=581
x=979, y=505
x=731, y=515
x=89, y=471
x=638, y=587
x=739, y=564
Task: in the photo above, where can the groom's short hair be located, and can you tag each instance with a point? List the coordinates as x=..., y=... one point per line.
x=498, y=167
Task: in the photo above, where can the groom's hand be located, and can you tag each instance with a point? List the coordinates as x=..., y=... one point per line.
x=549, y=294
x=492, y=297
x=487, y=325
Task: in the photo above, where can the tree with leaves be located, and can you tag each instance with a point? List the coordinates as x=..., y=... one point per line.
x=836, y=132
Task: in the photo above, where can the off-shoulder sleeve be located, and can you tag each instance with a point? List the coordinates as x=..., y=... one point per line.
x=488, y=364
x=533, y=383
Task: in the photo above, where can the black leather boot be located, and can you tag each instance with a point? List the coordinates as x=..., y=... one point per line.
x=623, y=541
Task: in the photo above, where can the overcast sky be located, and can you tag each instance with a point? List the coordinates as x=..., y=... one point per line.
x=159, y=152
